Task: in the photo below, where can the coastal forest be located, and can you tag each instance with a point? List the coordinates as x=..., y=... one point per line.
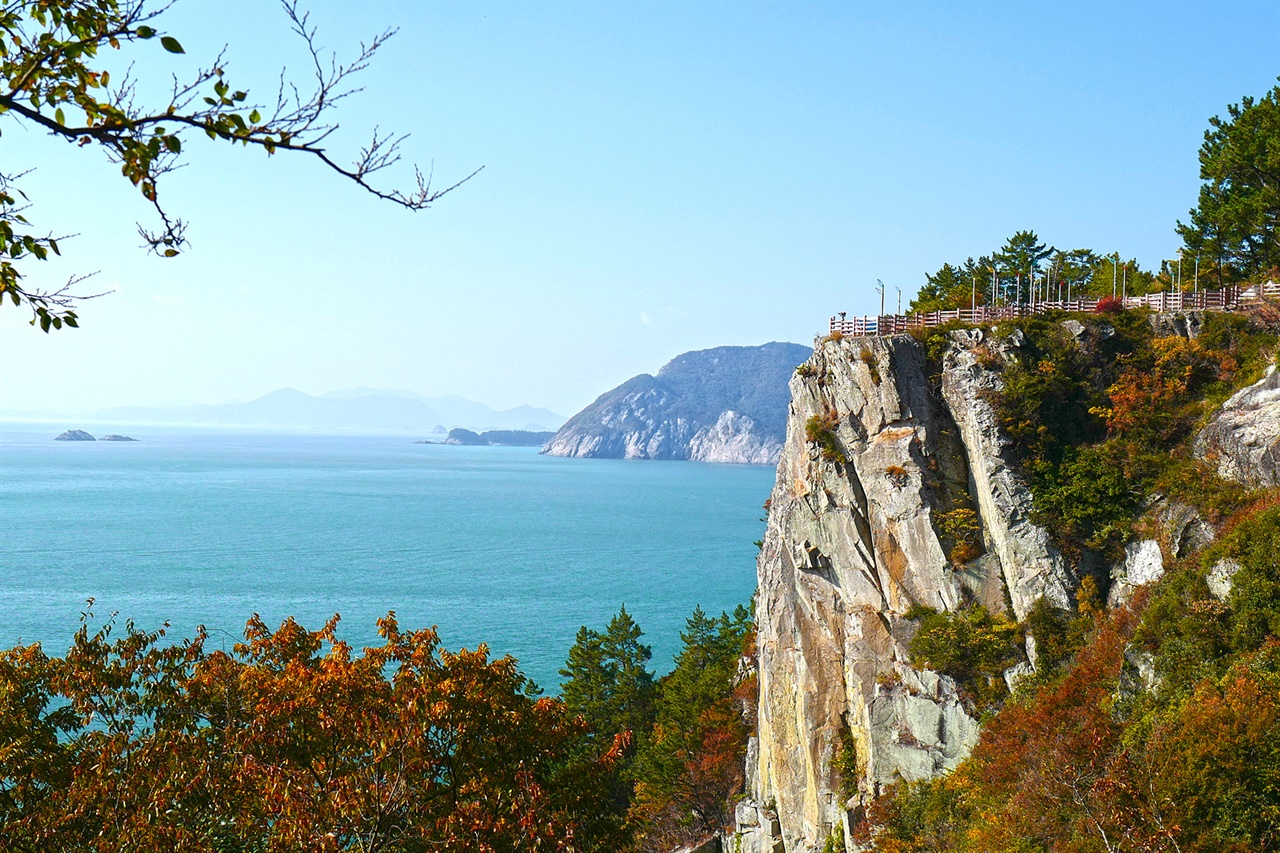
x=1149, y=719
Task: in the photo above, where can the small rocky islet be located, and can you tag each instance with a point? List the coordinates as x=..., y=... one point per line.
x=81, y=435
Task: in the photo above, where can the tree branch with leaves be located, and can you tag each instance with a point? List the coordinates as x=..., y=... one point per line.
x=52, y=77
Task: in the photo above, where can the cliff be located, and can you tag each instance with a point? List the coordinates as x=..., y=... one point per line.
x=1244, y=436
x=879, y=454
x=727, y=404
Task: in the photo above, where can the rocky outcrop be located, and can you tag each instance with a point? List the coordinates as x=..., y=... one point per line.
x=75, y=435
x=1143, y=563
x=1032, y=567
x=115, y=437
x=734, y=438
x=1244, y=436
x=877, y=454
x=1183, y=324
x=727, y=404
x=1220, y=578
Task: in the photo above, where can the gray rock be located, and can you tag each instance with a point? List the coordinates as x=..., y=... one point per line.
x=114, y=437
x=1220, y=578
x=1016, y=673
x=75, y=435
x=1033, y=568
x=1244, y=435
x=1184, y=531
x=1075, y=328
x=1183, y=324
x=850, y=547
x=734, y=438
x=1143, y=564
x=1137, y=674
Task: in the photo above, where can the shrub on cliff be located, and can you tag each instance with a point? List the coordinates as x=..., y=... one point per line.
x=971, y=646
x=820, y=430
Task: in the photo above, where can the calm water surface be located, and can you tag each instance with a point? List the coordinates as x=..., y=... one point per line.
x=495, y=545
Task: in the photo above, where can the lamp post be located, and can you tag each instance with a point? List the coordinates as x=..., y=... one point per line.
x=1114, y=263
x=1179, y=270
x=880, y=290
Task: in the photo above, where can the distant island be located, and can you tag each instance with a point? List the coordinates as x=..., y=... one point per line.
x=495, y=438
x=81, y=435
x=727, y=404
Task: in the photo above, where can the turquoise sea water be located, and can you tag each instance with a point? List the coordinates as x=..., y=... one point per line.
x=495, y=545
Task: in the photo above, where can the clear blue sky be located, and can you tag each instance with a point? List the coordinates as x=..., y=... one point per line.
x=659, y=177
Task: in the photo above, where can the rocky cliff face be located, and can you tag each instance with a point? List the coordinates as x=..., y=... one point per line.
x=726, y=404
x=1244, y=436
x=877, y=455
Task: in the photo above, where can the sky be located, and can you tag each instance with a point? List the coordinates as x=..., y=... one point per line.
x=658, y=178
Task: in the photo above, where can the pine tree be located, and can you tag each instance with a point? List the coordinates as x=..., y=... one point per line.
x=607, y=681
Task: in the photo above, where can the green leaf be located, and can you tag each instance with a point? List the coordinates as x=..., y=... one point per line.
x=144, y=32
x=58, y=117
x=173, y=144
x=70, y=320
x=171, y=44
x=170, y=253
x=255, y=117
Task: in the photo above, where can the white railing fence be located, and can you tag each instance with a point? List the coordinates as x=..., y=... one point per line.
x=1227, y=299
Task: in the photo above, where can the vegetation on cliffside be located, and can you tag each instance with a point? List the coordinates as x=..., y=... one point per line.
x=1154, y=726
x=1162, y=733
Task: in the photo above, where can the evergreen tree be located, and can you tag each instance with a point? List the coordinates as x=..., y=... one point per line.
x=1235, y=228
x=955, y=286
x=1019, y=259
x=632, y=697
x=607, y=680
x=690, y=764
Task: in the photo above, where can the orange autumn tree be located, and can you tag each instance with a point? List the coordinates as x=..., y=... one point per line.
x=290, y=741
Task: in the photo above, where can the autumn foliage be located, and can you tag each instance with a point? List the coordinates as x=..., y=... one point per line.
x=291, y=741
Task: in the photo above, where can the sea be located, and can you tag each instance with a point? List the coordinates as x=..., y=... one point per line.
x=493, y=545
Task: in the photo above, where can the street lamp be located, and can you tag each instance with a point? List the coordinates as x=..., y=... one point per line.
x=880, y=290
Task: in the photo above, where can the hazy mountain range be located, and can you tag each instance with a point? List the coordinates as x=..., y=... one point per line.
x=352, y=408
